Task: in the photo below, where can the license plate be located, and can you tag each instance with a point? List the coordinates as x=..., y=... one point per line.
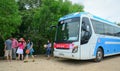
x=61, y=54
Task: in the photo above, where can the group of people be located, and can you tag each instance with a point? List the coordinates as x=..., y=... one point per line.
x=13, y=47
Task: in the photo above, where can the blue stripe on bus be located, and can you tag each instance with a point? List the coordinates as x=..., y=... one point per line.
x=77, y=14
x=109, y=45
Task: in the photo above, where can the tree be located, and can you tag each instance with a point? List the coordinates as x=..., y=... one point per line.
x=28, y=4
x=9, y=18
x=76, y=8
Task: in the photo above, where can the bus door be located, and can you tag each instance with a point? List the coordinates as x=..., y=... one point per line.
x=86, y=33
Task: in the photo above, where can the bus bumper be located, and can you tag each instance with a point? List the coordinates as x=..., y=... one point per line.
x=67, y=55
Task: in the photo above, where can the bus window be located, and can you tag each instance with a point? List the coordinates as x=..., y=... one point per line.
x=68, y=30
x=98, y=27
x=85, y=30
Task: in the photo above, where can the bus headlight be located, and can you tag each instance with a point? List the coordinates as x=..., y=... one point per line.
x=75, y=49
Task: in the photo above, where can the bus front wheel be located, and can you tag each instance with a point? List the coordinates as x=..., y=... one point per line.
x=99, y=55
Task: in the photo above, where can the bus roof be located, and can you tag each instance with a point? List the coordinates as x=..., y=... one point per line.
x=72, y=15
x=78, y=14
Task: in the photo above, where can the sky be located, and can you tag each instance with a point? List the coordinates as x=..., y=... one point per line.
x=107, y=9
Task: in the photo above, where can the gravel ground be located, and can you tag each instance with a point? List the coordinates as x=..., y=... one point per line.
x=58, y=64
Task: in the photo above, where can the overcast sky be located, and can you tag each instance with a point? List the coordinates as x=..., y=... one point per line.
x=108, y=9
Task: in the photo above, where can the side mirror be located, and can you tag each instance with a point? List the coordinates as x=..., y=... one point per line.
x=53, y=26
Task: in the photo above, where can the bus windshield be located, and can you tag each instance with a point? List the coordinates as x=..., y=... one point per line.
x=68, y=30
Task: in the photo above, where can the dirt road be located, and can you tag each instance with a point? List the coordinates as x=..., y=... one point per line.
x=58, y=64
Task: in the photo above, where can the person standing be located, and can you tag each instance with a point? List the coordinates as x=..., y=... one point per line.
x=48, y=49
x=21, y=46
x=8, y=49
x=30, y=49
x=14, y=47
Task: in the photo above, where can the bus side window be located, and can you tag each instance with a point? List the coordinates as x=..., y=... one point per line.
x=85, y=30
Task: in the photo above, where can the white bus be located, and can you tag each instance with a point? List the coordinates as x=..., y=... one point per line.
x=83, y=36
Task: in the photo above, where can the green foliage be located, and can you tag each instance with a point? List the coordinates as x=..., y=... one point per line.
x=9, y=18
x=76, y=8
x=28, y=4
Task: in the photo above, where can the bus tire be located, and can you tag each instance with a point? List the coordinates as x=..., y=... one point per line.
x=99, y=55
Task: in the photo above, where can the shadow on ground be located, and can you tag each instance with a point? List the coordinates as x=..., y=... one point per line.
x=83, y=62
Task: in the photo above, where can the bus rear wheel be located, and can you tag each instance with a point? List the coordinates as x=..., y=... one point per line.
x=99, y=55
